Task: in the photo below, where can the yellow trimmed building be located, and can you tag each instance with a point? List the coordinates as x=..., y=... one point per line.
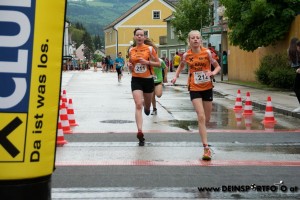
x=146, y=14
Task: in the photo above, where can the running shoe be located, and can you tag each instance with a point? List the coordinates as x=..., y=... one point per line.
x=147, y=112
x=154, y=112
x=207, y=154
x=141, y=138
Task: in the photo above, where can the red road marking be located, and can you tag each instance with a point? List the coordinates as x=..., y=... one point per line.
x=213, y=163
x=209, y=131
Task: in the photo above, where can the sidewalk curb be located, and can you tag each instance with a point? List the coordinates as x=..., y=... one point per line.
x=256, y=104
x=262, y=105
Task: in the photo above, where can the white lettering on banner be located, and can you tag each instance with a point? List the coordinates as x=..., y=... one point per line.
x=22, y=20
x=16, y=67
x=17, y=96
x=23, y=3
x=20, y=66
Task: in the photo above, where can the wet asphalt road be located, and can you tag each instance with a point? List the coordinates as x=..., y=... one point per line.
x=102, y=159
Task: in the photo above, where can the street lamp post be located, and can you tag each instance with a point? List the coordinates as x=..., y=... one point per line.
x=221, y=11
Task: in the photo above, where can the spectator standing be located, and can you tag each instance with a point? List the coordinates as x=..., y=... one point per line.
x=107, y=63
x=176, y=61
x=214, y=55
x=111, y=64
x=165, y=72
x=294, y=57
x=103, y=64
x=225, y=62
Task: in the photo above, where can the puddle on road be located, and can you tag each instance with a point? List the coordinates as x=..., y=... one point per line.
x=273, y=149
x=225, y=118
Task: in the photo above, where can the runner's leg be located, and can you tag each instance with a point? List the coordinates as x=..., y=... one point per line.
x=138, y=100
x=198, y=105
x=207, y=105
x=147, y=102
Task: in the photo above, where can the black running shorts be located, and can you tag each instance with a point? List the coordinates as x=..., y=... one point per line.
x=155, y=84
x=119, y=71
x=206, y=95
x=144, y=84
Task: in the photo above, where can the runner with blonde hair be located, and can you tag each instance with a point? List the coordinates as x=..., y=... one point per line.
x=198, y=59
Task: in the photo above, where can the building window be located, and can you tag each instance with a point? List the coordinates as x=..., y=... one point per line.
x=163, y=53
x=172, y=36
x=156, y=14
x=146, y=34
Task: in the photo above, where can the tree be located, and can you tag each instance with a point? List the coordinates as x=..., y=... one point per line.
x=79, y=26
x=88, y=45
x=259, y=23
x=76, y=35
x=97, y=57
x=190, y=15
x=97, y=42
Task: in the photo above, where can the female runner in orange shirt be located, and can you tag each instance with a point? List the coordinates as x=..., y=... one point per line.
x=200, y=84
x=142, y=59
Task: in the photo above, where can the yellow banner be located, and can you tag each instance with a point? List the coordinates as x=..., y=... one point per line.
x=30, y=77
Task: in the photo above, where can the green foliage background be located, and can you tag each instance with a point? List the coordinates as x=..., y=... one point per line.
x=190, y=15
x=275, y=70
x=95, y=15
x=259, y=23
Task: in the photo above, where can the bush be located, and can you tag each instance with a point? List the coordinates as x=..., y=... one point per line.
x=275, y=70
x=262, y=74
x=282, y=78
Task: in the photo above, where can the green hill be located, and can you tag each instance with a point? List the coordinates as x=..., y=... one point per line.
x=96, y=14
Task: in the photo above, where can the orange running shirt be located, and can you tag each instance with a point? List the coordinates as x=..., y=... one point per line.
x=198, y=64
x=144, y=51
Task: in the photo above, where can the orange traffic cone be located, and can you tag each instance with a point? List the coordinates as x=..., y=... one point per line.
x=64, y=97
x=64, y=119
x=60, y=141
x=71, y=114
x=248, y=122
x=269, y=115
x=238, y=117
x=248, y=105
x=238, y=102
x=269, y=127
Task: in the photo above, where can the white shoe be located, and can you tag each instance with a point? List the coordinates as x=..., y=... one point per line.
x=296, y=110
x=154, y=112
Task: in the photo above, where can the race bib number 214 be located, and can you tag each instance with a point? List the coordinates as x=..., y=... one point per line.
x=200, y=77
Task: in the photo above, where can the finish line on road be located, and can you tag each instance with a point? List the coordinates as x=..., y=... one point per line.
x=176, y=154
x=193, y=163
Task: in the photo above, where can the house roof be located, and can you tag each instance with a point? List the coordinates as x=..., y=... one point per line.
x=169, y=18
x=134, y=8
